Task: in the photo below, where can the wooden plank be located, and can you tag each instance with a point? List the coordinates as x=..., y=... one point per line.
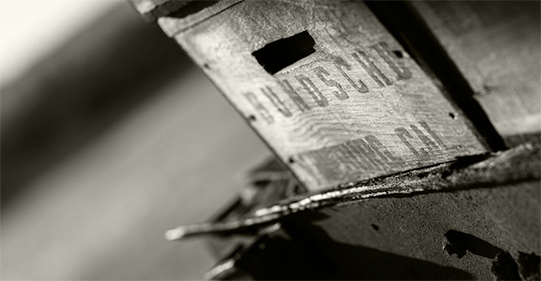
x=410, y=226
x=519, y=164
x=175, y=24
x=344, y=101
x=151, y=10
x=496, y=46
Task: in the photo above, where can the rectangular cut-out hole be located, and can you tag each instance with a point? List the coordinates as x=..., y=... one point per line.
x=279, y=54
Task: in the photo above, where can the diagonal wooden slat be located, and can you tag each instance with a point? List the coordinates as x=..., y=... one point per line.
x=342, y=101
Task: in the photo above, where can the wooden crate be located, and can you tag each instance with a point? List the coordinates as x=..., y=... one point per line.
x=329, y=89
x=387, y=113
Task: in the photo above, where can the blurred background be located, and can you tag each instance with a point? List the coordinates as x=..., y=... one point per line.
x=109, y=136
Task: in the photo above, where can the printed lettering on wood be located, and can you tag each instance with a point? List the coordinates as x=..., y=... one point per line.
x=327, y=87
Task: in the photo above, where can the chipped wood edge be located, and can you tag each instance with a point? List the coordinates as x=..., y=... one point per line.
x=151, y=10
x=172, y=26
x=482, y=171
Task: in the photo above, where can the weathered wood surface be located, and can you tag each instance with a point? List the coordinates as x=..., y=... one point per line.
x=356, y=106
x=520, y=164
x=496, y=46
x=151, y=10
x=174, y=24
x=409, y=227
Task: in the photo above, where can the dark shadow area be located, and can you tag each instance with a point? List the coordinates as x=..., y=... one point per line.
x=415, y=36
x=529, y=266
x=81, y=90
x=460, y=243
x=278, y=257
x=312, y=254
x=504, y=267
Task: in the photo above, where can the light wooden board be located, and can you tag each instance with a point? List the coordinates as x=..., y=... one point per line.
x=356, y=108
x=496, y=47
x=151, y=10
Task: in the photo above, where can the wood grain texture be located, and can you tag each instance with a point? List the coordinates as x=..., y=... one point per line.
x=356, y=108
x=496, y=46
x=519, y=164
x=473, y=207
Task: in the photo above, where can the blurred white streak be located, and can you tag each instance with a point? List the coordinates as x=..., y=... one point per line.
x=30, y=29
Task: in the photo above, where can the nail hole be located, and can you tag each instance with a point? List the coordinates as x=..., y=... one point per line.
x=279, y=54
x=452, y=115
x=375, y=227
x=291, y=160
x=252, y=118
x=206, y=65
x=398, y=54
